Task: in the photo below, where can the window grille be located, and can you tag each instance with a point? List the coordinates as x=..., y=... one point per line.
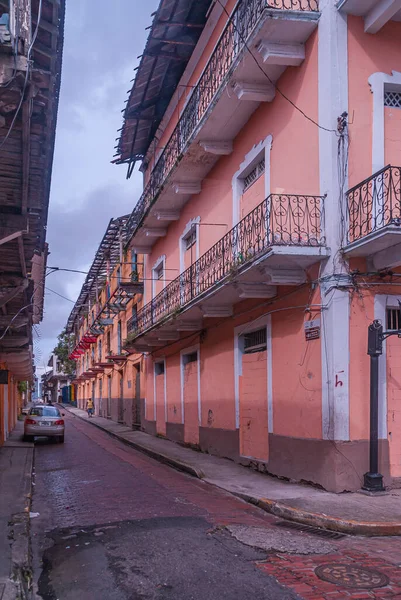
x=393, y=318
x=256, y=341
x=392, y=99
x=159, y=272
x=254, y=174
x=190, y=358
x=190, y=239
x=159, y=368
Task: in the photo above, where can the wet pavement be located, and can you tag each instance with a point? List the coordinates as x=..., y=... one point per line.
x=113, y=523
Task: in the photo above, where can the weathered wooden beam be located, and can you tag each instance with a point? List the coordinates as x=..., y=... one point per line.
x=26, y=151
x=22, y=255
x=10, y=238
x=14, y=341
x=19, y=321
x=13, y=292
x=175, y=42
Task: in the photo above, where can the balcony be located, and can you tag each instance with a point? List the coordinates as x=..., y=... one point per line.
x=374, y=219
x=273, y=245
x=260, y=33
x=376, y=13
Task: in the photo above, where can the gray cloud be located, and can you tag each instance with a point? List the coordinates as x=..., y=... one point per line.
x=100, y=53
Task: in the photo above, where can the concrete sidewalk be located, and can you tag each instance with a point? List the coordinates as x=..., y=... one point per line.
x=16, y=461
x=352, y=513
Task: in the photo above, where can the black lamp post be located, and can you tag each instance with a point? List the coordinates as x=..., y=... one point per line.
x=373, y=480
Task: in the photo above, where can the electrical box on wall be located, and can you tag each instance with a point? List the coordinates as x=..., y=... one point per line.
x=3, y=377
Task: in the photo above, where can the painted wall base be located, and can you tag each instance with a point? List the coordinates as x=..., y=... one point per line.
x=336, y=467
x=220, y=442
x=175, y=432
x=149, y=427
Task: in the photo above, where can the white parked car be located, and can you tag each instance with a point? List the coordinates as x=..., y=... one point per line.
x=43, y=420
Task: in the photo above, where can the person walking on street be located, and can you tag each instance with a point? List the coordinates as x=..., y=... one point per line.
x=89, y=407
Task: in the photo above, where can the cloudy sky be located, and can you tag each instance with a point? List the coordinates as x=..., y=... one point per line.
x=100, y=54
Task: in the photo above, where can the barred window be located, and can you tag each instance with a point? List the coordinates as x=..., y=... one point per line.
x=190, y=358
x=159, y=272
x=159, y=368
x=256, y=341
x=190, y=238
x=254, y=174
x=393, y=319
x=392, y=99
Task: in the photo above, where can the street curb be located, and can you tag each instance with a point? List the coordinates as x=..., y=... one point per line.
x=278, y=509
x=304, y=517
x=163, y=458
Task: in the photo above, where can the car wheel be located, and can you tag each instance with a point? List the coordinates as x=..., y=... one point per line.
x=28, y=438
x=61, y=439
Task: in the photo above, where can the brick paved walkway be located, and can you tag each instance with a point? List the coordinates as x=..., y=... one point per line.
x=298, y=573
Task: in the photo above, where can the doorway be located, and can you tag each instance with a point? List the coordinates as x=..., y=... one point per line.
x=120, y=417
x=108, y=397
x=253, y=392
x=136, y=402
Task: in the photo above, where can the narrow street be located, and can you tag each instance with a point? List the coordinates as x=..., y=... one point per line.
x=113, y=523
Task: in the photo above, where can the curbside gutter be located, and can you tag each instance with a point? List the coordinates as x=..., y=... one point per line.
x=278, y=509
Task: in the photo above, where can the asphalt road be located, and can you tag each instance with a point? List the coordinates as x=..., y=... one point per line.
x=117, y=525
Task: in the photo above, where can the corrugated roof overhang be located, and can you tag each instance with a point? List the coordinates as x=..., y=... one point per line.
x=174, y=33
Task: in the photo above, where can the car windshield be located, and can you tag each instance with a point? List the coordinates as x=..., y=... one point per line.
x=45, y=411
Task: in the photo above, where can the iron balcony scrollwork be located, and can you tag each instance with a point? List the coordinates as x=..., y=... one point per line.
x=280, y=220
x=218, y=69
x=374, y=203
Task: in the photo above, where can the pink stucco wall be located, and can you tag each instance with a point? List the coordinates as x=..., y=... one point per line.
x=367, y=54
x=217, y=377
x=392, y=136
x=297, y=371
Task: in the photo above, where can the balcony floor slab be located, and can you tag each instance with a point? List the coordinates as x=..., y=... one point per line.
x=381, y=246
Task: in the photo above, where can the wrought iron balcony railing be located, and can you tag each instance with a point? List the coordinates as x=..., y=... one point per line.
x=374, y=203
x=231, y=44
x=280, y=220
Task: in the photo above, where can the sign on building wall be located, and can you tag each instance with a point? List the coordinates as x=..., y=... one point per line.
x=312, y=330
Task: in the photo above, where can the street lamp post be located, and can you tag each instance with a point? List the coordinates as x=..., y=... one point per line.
x=373, y=480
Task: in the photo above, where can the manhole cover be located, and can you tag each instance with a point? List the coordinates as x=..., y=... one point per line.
x=353, y=576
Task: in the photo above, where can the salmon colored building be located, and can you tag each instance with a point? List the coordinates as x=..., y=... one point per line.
x=109, y=299
x=270, y=228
